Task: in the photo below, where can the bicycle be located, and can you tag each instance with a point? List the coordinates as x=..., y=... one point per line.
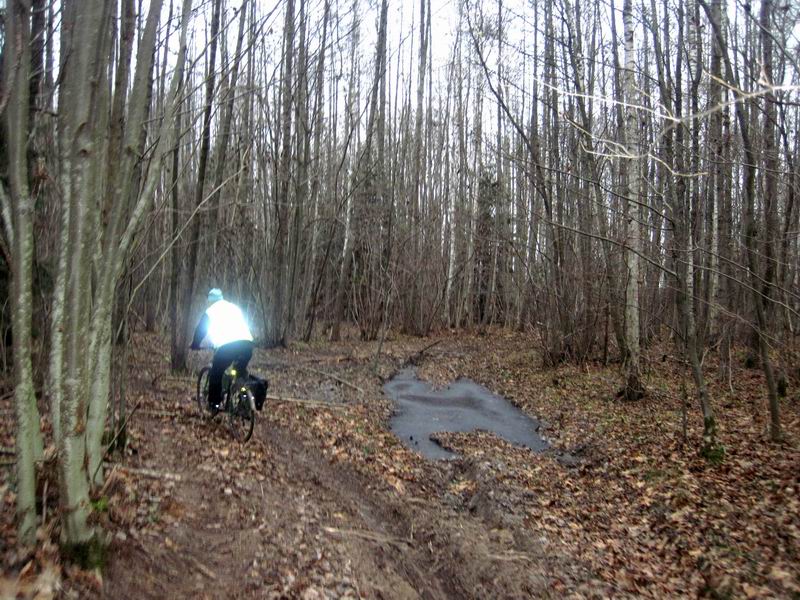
x=238, y=401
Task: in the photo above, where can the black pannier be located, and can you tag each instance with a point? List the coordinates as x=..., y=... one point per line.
x=259, y=388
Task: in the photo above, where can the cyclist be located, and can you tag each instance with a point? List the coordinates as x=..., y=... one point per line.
x=227, y=331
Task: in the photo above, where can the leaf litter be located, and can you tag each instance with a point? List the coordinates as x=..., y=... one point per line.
x=325, y=502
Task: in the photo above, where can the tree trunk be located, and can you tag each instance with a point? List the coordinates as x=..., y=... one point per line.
x=276, y=331
x=303, y=135
x=347, y=246
x=750, y=228
x=770, y=207
x=94, y=249
x=17, y=212
x=189, y=276
x=312, y=283
x=414, y=318
x=221, y=150
x=634, y=387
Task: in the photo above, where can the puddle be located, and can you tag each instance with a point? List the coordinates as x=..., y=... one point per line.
x=462, y=406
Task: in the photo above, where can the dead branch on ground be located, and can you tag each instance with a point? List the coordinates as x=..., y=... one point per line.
x=306, y=401
x=150, y=473
x=417, y=356
x=331, y=376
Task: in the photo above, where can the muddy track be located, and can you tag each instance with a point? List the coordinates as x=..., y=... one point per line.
x=292, y=524
x=378, y=525
x=441, y=552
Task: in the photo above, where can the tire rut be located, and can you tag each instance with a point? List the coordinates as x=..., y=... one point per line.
x=276, y=519
x=370, y=512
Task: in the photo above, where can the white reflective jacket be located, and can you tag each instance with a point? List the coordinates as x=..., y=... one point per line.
x=226, y=324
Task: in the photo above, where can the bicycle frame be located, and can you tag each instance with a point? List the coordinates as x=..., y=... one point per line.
x=235, y=396
x=231, y=382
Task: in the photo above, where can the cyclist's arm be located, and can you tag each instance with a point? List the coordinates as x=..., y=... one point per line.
x=200, y=331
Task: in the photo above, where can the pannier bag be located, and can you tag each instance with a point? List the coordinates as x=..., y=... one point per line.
x=259, y=388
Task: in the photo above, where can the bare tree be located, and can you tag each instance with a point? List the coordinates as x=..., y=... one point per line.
x=16, y=204
x=634, y=388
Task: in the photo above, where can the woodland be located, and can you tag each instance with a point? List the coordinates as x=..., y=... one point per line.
x=590, y=207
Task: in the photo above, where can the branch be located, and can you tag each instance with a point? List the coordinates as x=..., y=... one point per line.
x=176, y=238
x=164, y=142
x=412, y=360
x=289, y=400
x=368, y=535
x=8, y=88
x=150, y=473
x=498, y=96
x=114, y=441
x=332, y=376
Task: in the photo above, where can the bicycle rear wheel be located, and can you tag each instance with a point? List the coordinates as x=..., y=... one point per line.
x=241, y=414
x=202, y=390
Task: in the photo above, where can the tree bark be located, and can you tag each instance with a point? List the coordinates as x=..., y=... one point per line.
x=189, y=277
x=634, y=387
x=17, y=212
x=277, y=327
x=750, y=232
x=770, y=208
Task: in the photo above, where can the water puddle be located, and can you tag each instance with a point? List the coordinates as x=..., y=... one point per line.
x=461, y=407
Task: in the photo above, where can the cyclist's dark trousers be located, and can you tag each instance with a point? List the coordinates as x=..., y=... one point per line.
x=236, y=353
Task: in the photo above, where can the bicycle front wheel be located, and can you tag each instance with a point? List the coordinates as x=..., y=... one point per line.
x=202, y=390
x=241, y=414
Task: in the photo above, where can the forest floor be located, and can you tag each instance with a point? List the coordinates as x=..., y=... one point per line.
x=325, y=502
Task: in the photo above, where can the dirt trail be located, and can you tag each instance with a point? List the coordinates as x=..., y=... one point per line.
x=276, y=518
x=325, y=502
